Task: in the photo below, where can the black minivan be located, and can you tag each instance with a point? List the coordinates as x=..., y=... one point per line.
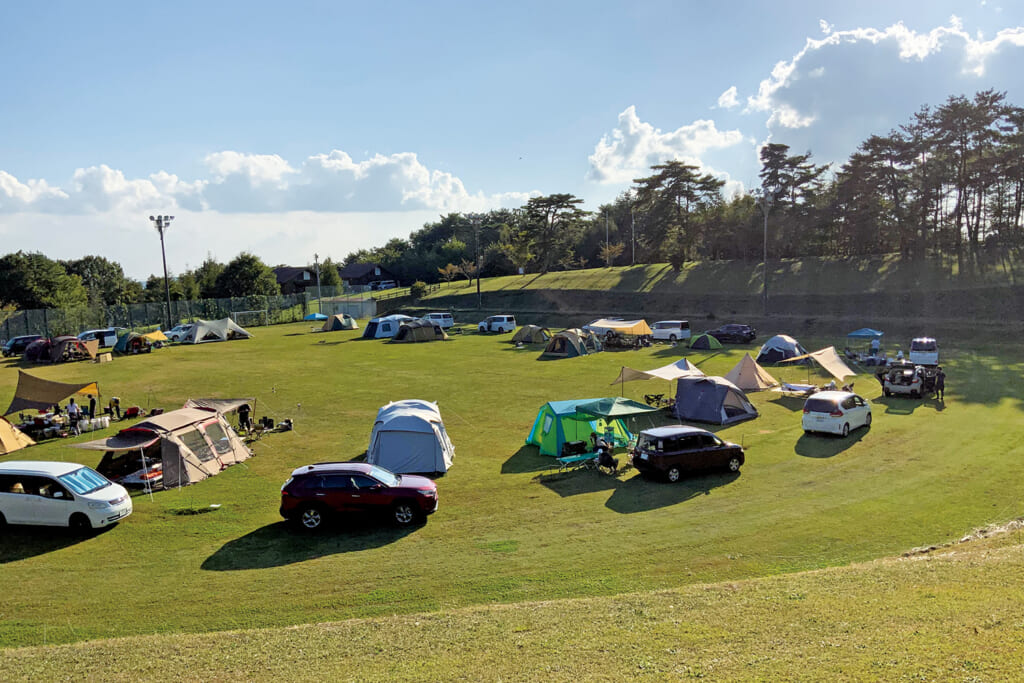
x=17, y=345
x=678, y=450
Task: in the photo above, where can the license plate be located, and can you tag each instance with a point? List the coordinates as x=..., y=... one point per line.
x=819, y=419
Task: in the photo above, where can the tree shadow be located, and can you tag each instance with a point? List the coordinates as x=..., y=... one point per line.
x=527, y=459
x=827, y=445
x=576, y=481
x=791, y=403
x=640, y=494
x=23, y=542
x=281, y=544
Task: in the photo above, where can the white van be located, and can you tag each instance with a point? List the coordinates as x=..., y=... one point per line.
x=60, y=494
x=924, y=351
x=106, y=337
x=442, y=320
x=670, y=330
x=497, y=323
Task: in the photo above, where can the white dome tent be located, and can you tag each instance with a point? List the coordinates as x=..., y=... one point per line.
x=409, y=437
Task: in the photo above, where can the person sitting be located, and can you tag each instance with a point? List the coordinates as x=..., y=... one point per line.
x=604, y=452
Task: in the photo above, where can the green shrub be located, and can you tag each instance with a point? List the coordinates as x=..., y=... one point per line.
x=418, y=289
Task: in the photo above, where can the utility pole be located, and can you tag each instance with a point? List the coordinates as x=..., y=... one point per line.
x=475, y=218
x=632, y=230
x=161, y=223
x=319, y=295
x=607, y=251
x=765, y=202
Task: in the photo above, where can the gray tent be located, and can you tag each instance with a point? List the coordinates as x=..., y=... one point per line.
x=215, y=330
x=409, y=436
x=711, y=399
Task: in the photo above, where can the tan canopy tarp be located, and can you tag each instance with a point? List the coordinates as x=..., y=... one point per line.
x=221, y=405
x=672, y=371
x=36, y=393
x=634, y=327
x=155, y=336
x=749, y=376
x=11, y=438
x=828, y=359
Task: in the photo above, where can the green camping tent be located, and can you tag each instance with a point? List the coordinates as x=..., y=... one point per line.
x=560, y=421
x=705, y=341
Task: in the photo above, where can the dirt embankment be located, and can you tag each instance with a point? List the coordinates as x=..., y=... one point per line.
x=904, y=313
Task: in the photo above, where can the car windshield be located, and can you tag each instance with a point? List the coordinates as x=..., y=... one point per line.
x=819, y=405
x=923, y=346
x=84, y=481
x=385, y=477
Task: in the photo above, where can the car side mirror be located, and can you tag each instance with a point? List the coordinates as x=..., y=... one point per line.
x=377, y=487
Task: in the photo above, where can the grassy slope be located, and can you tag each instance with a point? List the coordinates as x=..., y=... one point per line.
x=506, y=532
x=790, y=276
x=952, y=615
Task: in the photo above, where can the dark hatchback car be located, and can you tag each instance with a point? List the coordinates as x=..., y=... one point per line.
x=734, y=333
x=677, y=450
x=17, y=345
x=316, y=493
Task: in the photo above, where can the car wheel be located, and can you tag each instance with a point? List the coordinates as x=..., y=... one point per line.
x=846, y=429
x=311, y=518
x=79, y=523
x=915, y=394
x=404, y=513
x=3, y=522
x=672, y=338
x=674, y=474
x=808, y=432
x=887, y=392
x=481, y=330
x=867, y=420
x=734, y=464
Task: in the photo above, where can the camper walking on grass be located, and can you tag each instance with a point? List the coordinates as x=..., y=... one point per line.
x=940, y=385
x=74, y=415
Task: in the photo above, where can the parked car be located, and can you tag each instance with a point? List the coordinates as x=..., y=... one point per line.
x=16, y=346
x=497, y=323
x=106, y=336
x=378, y=285
x=179, y=332
x=835, y=412
x=734, y=333
x=60, y=494
x=678, y=450
x=906, y=379
x=670, y=330
x=315, y=493
x=442, y=320
x=924, y=351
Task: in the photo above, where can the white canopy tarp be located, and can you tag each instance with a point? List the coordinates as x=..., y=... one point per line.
x=672, y=371
x=828, y=359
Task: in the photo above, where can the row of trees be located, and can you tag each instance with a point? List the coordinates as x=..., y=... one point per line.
x=948, y=185
x=31, y=280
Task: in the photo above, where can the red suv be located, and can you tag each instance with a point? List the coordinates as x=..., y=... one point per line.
x=316, y=492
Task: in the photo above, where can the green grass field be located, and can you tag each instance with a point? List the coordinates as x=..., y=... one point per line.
x=509, y=530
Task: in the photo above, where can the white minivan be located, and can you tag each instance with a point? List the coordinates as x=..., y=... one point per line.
x=442, y=320
x=670, y=330
x=106, y=337
x=60, y=494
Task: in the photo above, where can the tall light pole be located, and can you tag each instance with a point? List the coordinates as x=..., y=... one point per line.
x=474, y=218
x=607, y=251
x=161, y=223
x=319, y=296
x=632, y=230
x=765, y=202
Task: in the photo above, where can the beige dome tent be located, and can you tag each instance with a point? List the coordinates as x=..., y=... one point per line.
x=11, y=438
x=342, y=321
x=749, y=376
x=531, y=334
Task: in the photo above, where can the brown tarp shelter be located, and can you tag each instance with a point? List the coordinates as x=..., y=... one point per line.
x=749, y=376
x=419, y=331
x=220, y=405
x=155, y=336
x=12, y=439
x=36, y=393
x=73, y=348
x=828, y=359
x=630, y=327
x=194, y=444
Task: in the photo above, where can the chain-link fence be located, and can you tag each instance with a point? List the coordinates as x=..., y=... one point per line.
x=259, y=310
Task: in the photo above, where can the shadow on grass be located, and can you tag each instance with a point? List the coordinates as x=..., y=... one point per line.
x=639, y=494
x=23, y=542
x=827, y=445
x=527, y=459
x=792, y=403
x=577, y=481
x=280, y=544
x=897, y=405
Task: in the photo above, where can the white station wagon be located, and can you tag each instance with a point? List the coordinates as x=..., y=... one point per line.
x=835, y=412
x=670, y=330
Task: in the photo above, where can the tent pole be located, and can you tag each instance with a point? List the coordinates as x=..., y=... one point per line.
x=145, y=473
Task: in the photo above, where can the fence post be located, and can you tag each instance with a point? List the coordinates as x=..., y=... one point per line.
x=46, y=323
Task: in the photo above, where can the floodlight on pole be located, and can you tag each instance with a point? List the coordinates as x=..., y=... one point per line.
x=764, y=200
x=161, y=223
x=607, y=251
x=319, y=295
x=475, y=218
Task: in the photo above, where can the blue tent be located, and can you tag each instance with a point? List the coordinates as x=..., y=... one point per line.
x=315, y=316
x=866, y=333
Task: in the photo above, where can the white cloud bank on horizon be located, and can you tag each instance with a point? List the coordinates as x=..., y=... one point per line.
x=827, y=99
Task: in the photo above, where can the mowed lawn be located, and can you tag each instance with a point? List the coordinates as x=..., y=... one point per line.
x=508, y=530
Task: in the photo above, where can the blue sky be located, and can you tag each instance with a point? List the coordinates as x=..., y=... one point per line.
x=289, y=129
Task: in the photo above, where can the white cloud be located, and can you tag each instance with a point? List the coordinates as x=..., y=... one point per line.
x=728, y=99
x=634, y=146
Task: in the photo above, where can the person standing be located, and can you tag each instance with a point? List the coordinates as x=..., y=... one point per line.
x=92, y=407
x=244, y=424
x=74, y=415
x=940, y=385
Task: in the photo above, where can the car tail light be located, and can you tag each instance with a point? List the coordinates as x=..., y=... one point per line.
x=836, y=413
x=806, y=410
